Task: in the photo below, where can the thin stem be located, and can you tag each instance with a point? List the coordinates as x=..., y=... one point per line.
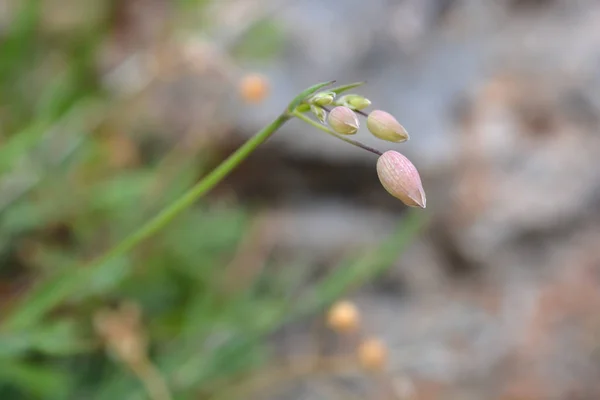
x=332, y=133
x=364, y=114
x=155, y=385
x=40, y=300
x=197, y=191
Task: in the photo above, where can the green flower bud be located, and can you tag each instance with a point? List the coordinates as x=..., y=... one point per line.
x=343, y=120
x=323, y=98
x=384, y=126
x=401, y=179
x=354, y=102
x=302, y=108
x=319, y=112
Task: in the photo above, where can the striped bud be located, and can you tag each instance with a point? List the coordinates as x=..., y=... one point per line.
x=343, y=120
x=323, y=98
x=401, y=179
x=384, y=126
x=319, y=112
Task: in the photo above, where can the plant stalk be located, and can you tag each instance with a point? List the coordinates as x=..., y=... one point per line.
x=317, y=125
x=45, y=297
x=197, y=191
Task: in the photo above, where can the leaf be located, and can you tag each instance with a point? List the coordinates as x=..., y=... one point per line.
x=307, y=92
x=68, y=283
x=340, y=89
x=18, y=44
x=38, y=381
x=57, y=339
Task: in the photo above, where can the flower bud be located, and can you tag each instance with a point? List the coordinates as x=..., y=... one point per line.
x=343, y=317
x=354, y=102
x=323, y=98
x=319, y=112
x=401, y=179
x=384, y=126
x=343, y=120
x=372, y=354
x=302, y=108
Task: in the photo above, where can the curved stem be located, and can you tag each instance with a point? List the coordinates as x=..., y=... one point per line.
x=332, y=133
x=197, y=191
x=41, y=299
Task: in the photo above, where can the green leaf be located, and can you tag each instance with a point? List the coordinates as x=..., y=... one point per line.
x=307, y=92
x=57, y=339
x=340, y=89
x=67, y=284
x=17, y=46
x=39, y=382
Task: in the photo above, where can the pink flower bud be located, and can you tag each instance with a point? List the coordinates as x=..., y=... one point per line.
x=343, y=120
x=401, y=179
x=384, y=126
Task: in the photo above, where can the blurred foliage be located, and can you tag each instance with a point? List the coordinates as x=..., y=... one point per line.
x=261, y=42
x=72, y=184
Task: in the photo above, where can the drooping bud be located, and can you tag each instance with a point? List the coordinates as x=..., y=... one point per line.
x=343, y=120
x=323, y=98
x=401, y=179
x=319, y=112
x=354, y=102
x=384, y=126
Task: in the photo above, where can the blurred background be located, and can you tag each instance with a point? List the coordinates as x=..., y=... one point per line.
x=111, y=109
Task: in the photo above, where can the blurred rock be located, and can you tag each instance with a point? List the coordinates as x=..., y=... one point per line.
x=528, y=166
x=501, y=101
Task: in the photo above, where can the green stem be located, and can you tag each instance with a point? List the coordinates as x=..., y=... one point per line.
x=197, y=191
x=317, y=125
x=50, y=294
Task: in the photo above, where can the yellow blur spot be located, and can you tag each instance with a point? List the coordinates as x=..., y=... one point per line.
x=254, y=88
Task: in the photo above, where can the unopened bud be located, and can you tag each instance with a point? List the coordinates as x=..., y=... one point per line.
x=302, y=108
x=384, y=126
x=323, y=98
x=343, y=317
x=354, y=101
x=372, y=354
x=319, y=112
x=401, y=179
x=343, y=120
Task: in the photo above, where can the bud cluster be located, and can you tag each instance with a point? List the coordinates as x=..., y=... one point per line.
x=343, y=118
x=340, y=115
